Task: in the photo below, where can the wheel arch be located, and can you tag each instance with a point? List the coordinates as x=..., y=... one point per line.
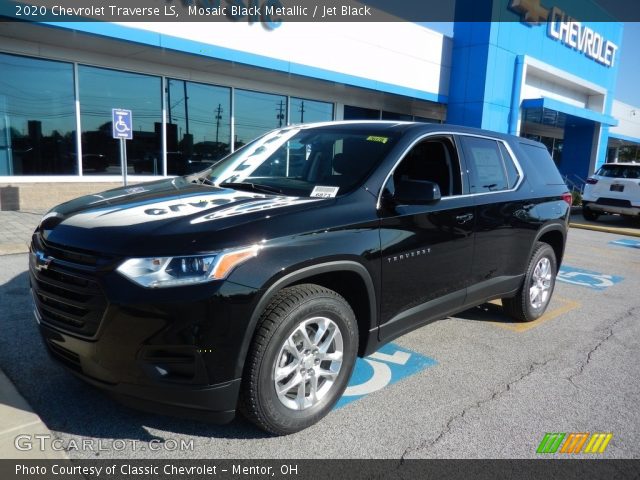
x=555, y=236
x=348, y=278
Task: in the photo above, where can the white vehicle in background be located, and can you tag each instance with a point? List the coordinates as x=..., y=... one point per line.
x=615, y=188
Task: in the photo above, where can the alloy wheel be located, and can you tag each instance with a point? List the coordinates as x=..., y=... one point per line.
x=541, y=280
x=308, y=364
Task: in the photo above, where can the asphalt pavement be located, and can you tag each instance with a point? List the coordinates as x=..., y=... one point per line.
x=480, y=386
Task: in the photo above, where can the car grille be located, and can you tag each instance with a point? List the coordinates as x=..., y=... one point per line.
x=69, y=358
x=67, y=255
x=613, y=202
x=66, y=294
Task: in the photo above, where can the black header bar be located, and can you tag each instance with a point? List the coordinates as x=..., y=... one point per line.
x=318, y=469
x=272, y=13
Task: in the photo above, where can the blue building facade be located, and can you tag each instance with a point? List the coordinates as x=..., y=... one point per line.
x=199, y=90
x=506, y=73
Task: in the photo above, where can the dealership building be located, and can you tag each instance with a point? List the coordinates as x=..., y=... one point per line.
x=200, y=90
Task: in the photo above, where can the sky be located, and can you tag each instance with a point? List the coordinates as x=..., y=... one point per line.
x=627, y=90
x=629, y=72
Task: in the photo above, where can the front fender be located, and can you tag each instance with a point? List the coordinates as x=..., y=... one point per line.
x=299, y=274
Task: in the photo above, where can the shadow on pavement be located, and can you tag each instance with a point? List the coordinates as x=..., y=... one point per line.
x=64, y=402
x=487, y=312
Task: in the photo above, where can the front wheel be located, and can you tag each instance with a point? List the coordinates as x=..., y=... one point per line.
x=301, y=359
x=534, y=295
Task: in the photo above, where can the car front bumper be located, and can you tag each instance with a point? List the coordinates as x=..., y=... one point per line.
x=174, y=351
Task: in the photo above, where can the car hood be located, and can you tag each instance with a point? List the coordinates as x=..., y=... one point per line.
x=166, y=217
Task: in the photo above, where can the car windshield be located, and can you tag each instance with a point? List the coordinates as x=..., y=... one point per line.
x=308, y=162
x=620, y=171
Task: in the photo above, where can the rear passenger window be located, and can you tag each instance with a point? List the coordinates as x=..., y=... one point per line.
x=512, y=172
x=620, y=171
x=542, y=168
x=486, y=166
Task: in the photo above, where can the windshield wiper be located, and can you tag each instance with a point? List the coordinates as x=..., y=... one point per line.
x=256, y=187
x=204, y=180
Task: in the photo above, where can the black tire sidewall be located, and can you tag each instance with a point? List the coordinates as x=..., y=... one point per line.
x=285, y=418
x=543, y=251
x=589, y=214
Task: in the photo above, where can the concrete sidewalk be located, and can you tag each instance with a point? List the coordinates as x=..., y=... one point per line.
x=17, y=418
x=16, y=415
x=16, y=229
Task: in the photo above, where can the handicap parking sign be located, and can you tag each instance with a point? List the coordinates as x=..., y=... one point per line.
x=385, y=367
x=587, y=278
x=121, y=121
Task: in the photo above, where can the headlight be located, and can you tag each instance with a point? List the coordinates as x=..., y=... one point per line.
x=158, y=272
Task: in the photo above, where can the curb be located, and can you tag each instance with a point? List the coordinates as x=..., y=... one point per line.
x=598, y=228
x=18, y=418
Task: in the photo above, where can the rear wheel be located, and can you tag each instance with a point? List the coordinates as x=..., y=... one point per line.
x=589, y=214
x=300, y=360
x=534, y=295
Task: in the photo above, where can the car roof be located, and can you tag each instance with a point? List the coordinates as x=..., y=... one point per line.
x=404, y=127
x=622, y=164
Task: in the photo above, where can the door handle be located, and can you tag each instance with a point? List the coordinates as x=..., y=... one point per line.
x=464, y=218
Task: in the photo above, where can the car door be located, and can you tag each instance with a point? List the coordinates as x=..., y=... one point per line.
x=426, y=249
x=503, y=228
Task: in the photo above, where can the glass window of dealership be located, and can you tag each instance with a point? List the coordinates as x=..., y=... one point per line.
x=44, y=103
x=55, y=110
x=190, y=124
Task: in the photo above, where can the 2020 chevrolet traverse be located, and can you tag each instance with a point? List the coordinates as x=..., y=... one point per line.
x=254, y=284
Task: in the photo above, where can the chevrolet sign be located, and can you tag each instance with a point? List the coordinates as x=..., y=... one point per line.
x=567, y=30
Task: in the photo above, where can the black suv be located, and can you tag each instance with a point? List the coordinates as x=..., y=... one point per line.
x=254, y=284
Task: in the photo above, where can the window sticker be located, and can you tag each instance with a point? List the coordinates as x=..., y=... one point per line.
x=373, y=138
x=324, y=192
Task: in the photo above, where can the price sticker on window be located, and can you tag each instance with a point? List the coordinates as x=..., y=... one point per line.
x=324, y=192
x=374, y=138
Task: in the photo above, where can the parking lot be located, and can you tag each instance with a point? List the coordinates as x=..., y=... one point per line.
x=473, y=386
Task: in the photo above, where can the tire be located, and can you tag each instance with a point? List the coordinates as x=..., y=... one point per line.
x=589, y=214
x=279, y=347
x=541, y=274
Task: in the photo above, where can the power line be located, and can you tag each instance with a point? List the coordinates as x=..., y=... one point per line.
x=218, y=118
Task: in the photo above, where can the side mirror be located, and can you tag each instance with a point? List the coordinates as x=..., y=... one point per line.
x=416, y=192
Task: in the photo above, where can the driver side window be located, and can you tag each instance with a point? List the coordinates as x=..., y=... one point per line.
x=433, y=160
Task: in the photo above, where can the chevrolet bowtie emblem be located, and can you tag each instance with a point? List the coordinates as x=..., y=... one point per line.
x=530, y=10
x=42, y=261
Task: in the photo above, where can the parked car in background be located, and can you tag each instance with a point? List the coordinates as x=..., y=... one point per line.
x=615, y=188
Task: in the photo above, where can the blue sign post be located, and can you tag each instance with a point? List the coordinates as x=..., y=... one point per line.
x=121, y=122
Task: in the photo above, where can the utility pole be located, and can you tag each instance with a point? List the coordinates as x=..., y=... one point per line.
x=218, y=118
x=186, y=107
x=302, y=112
x=169, y=98
x=280, y=110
